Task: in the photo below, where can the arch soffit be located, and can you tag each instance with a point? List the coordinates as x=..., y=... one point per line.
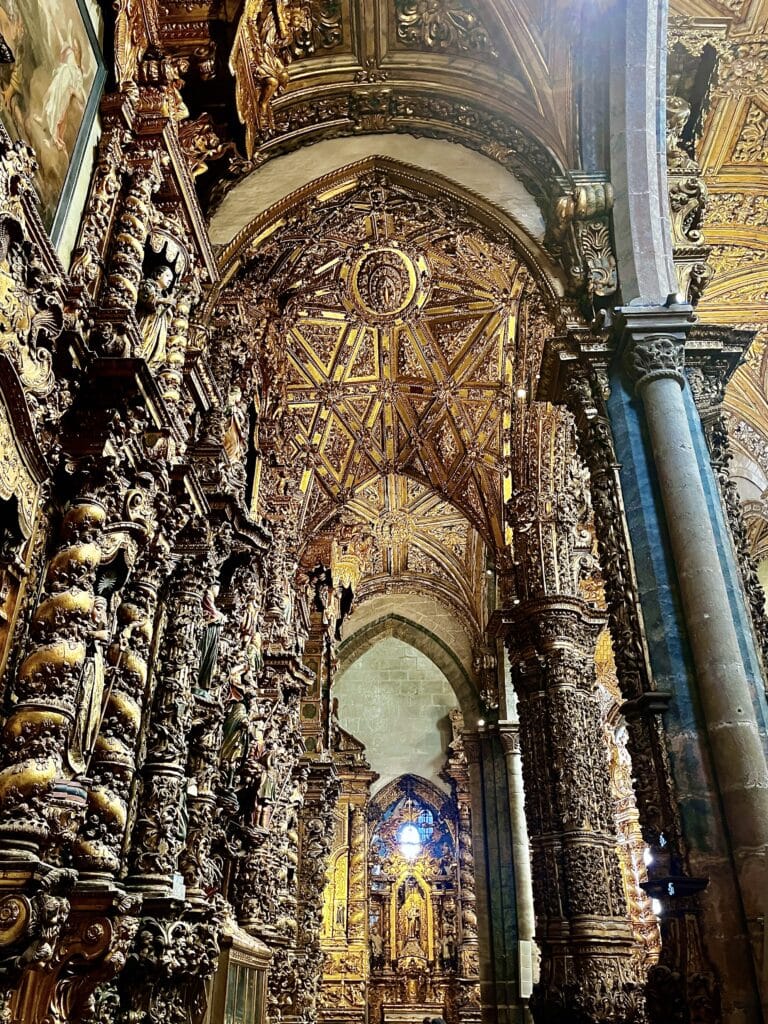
x=422, y=640
x=493, y=196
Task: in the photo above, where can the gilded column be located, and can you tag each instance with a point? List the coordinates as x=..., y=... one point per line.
x=323, y=788
x=357, y=897
x=172, y=373
x=582, y=921
x=98, y=849
x=133, y=227
x=161, y=823
x=66, y=637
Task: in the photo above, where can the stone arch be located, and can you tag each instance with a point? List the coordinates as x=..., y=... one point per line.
x=424, y=641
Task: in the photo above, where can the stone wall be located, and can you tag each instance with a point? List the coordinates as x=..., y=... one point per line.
x=396, y=701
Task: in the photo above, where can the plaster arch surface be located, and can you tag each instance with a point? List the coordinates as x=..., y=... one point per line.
x=471, y=171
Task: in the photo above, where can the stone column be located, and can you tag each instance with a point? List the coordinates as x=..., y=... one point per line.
x=582, y=921
x=526, y=918
x=575, y=371
x=654, y=362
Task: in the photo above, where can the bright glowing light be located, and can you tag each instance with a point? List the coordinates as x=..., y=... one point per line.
x=409, y=841
x=656, y=907
x=521, y=393
x=647, y=856
x=481, y=721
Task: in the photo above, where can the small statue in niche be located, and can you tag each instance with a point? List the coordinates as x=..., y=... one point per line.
x=413, y=921
x=377, y=946
x=252, y=658
x=267, y=791
x=236, y=737
x=156, y=300
x=213, y=620
x=236, y=432
x=447, y=952
x=90, y=695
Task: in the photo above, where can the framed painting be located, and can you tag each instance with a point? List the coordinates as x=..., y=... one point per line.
x=50, y=93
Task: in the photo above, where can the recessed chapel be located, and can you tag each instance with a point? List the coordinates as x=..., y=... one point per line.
x=383, y=511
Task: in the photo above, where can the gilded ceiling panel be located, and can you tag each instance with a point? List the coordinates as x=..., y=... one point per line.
x=398, y=338
x=732, y=152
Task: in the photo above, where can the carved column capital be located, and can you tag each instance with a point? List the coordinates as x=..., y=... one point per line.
x=471, y=742
x=713, y=354
x=652, y=342
x=656, y=357
x=509, y=734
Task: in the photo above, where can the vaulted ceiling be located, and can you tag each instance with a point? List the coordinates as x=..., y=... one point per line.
x=495, y=75
x=424, y=542
x=398, y=338
x=400, y=326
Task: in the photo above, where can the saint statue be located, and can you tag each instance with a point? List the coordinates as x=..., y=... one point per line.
x=250, y=633
x=236, y=433
x=265, y=797
x=410, y=918
x=377, y=945
x=413, y=918
x=235, y=739
x=155, y=303
x=90, y=694
x=213, y=620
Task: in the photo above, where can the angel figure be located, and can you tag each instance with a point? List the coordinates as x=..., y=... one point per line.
x=266, y=36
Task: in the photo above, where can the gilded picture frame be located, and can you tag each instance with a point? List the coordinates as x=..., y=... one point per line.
x=50, y=93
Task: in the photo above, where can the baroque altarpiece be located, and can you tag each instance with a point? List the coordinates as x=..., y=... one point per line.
x=365, y=320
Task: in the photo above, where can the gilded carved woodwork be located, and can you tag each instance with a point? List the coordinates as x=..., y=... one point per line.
x=450, y=26
x=362, y=367
x=374, y=342
x=732, y=175
x=551, y=643
x=284, y=51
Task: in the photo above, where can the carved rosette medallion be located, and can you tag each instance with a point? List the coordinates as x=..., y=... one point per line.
x=383, y=284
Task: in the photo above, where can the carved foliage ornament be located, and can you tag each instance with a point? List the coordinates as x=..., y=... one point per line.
x=656, y=357
x=445, y=26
